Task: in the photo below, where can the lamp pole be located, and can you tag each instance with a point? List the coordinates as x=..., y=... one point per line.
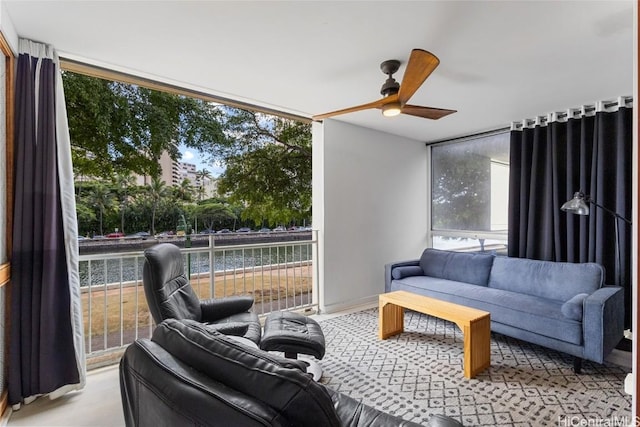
x=579, y=205
x=617, y=216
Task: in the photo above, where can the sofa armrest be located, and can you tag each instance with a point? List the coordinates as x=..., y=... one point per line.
x=218, y=308
x=389, y=267
x=603, y=322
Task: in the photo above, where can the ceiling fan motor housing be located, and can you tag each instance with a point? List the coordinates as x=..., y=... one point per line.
x=390, y=86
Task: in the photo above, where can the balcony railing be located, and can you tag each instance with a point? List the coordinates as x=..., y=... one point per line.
x=279, y=275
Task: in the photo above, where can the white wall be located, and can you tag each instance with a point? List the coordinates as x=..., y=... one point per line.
x=10, y=36
x=370, y=207
x=7, y=28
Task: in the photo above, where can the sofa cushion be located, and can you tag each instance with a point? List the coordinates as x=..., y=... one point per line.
x=558, y=281
x=527, y=312
x=459, y=266
x=406, y=271
x=289, y=391
x=572, y=309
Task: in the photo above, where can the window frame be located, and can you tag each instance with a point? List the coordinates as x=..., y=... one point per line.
x=471, y=234
x=7, y=238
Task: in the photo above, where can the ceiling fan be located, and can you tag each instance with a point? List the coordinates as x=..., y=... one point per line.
x=395, y=96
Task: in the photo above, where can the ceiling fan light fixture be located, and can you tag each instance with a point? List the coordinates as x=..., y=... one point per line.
x=391, y=109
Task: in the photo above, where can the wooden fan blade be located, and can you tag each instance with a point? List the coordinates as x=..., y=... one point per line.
x=421, y=65
x=426, y=112
x=375, y=104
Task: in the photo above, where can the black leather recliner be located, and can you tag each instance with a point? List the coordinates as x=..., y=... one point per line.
x=170, y=296
x=190, y=375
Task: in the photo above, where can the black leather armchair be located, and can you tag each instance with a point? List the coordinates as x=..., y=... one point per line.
x=190, y=375
x=170, y=296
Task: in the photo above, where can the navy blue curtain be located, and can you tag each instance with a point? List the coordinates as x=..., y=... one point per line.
x=42, y=357
x=548, y=163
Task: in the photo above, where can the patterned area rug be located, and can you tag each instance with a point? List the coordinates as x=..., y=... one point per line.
x=419, y=373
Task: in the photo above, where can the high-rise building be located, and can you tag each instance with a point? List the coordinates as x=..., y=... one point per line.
x=174, y=172
x=169, y=172
x=187, y=171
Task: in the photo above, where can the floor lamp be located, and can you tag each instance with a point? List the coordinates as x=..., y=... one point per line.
x=579, y=205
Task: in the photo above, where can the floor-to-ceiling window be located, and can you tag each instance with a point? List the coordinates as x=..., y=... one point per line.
x=469, y=192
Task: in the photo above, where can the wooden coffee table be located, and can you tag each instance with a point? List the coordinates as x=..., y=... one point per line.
x=474, y=324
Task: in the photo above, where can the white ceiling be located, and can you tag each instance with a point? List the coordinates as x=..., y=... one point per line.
x=501, y=61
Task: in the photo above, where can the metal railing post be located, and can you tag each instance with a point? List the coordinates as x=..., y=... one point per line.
x=212, y=270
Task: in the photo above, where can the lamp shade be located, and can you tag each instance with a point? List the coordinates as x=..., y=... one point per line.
x=577, y=205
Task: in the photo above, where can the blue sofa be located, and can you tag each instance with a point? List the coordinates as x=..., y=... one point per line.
x=563, y=306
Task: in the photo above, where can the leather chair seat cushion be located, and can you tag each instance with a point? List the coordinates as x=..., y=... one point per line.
x=248, y=324
x=292, y=333
x=282, y=383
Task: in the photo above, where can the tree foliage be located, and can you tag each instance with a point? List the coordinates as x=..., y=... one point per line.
x=140, y=214
x=119, y=130
x=201, y=177
x=268, y=166
x=157, y=191
x=461, y=191
x=184, y=192
x=122, y=127
x=102, y=199
x=210, y=213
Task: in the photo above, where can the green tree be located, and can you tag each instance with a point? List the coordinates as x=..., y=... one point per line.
x=137, y=216
x=211, y=212
x=201, y=176
x=268, y=166
x=124, y=128
x=101, y=198
x=123, y=184
x=157, y=190
x=461, y=198
x=184, y=191
x=86, y=216
x=119, y=128
x=169, y=212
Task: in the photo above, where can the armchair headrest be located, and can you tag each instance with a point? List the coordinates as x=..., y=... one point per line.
x=165, y=261
x=166, y=287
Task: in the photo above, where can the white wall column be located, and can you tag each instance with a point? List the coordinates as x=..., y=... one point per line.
x=369, y=207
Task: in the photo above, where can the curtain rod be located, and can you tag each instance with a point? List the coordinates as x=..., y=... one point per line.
x=585, y=110
x=591, y=108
